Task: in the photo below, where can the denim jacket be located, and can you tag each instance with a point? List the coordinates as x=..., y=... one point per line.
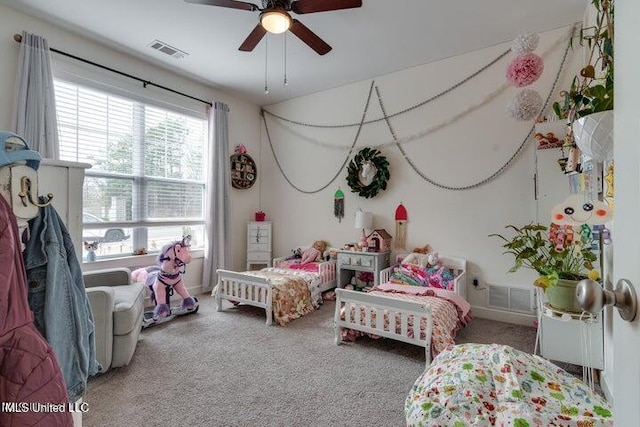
x=58, y=299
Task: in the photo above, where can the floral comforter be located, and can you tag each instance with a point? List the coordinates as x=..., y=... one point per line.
x=291, y=293
x=449, y=312
x=486, y=385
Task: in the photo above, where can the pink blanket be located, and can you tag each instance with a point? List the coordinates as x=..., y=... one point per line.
x=310, y=266
x=463, y=307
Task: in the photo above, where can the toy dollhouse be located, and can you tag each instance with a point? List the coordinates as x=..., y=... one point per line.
x=379, y=241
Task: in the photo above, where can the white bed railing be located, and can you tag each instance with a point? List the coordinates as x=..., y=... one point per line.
x=241, y=288
x=363, y=312
x=326, y=271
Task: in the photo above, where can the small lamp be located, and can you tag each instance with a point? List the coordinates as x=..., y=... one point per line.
x=364, y=220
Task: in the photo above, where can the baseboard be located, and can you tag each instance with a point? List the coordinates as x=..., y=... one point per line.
x=503, y=316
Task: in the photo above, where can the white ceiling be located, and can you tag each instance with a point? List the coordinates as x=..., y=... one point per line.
x=380, y=37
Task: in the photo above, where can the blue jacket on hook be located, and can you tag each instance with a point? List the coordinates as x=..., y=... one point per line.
x=58, y=299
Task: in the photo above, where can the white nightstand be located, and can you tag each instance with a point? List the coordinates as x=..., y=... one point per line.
x=258, y=244
x=351, y=262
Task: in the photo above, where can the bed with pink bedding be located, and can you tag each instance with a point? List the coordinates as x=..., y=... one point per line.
x=285, y=293
x=390, y=310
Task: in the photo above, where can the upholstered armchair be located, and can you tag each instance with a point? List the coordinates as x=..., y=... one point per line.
x=118, y=311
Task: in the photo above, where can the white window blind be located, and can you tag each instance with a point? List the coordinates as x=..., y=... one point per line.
x=146, y=184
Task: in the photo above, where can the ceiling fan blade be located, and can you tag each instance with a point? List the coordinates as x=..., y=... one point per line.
x=310, y=6
x=253, y=39
x=309, y=37
x=232, y=4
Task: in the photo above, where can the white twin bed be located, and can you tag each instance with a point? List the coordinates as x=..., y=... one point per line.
x=421, y=315
x=391, y=310
x=281, y=290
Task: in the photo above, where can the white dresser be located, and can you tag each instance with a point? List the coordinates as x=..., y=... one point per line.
x=259, y=234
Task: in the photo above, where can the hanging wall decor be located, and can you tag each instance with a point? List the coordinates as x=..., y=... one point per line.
x=338, y=205
x=243, y=170
x=401, y=227
x=368, y=172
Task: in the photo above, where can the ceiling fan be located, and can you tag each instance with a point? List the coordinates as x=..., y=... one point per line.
x=275, y=18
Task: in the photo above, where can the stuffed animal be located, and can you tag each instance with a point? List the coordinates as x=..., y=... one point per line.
x=296, y=254
x=314, y=253
x=91, y=248
x=423, y=250
x=163, y=279
x=433, y=259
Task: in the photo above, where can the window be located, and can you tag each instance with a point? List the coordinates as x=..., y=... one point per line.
x=146, y=186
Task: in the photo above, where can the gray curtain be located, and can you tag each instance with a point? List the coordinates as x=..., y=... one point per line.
x=34, y=113
x=218, y=186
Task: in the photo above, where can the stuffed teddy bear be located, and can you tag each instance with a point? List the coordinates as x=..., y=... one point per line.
x=314, y=253
x=423, y=250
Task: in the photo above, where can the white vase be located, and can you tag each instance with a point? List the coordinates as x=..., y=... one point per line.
x=594, y=135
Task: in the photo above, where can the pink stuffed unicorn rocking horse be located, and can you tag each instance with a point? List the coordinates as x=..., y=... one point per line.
x=166, y=277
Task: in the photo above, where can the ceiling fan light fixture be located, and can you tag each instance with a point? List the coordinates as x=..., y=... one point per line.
x=275, y=21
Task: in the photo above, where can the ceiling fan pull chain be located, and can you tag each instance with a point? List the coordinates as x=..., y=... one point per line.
x=285, y=82
x=266, y=57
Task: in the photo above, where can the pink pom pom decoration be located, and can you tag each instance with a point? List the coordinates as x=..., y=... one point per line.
x=524, y=69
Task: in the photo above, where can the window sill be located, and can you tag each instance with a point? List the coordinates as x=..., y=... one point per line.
x=130, y=261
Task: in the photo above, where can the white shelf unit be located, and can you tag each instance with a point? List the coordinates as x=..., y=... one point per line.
x=564, y=337
x=64, y=180
x=259, y=244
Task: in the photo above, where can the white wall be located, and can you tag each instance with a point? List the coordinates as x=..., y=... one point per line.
x=463, y=153
x=243, y=117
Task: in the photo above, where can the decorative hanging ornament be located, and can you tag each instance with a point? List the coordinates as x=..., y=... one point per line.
x=525, y=42
x=576, y=210
x=524, y=69
x=401, y=226
x=525, y=105
x=368, y=172
x=338, y=205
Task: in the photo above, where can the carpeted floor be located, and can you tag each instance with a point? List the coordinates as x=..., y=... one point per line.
x=229, y=369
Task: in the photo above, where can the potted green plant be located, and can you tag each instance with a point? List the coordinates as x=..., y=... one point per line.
x=560, y=266
x=592, y=90
x=589, y=101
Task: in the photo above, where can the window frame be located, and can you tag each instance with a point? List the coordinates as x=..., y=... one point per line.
x=185, y=107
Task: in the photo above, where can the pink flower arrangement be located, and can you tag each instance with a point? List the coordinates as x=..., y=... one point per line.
x=524, y=69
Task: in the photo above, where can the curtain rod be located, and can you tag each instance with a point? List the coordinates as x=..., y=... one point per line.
x=145, y=83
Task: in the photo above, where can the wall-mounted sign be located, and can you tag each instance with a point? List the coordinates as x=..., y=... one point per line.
x=243, y=171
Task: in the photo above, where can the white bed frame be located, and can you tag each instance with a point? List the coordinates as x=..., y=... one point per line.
x=394, y=308
x=243, y=288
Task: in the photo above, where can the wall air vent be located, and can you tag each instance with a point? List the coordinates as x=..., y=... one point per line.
x=167, y=49
x=511, y=298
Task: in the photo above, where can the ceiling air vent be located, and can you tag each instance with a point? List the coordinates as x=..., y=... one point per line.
x=166, y=49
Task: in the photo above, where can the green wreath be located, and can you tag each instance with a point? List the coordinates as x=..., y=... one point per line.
x=368, y=172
